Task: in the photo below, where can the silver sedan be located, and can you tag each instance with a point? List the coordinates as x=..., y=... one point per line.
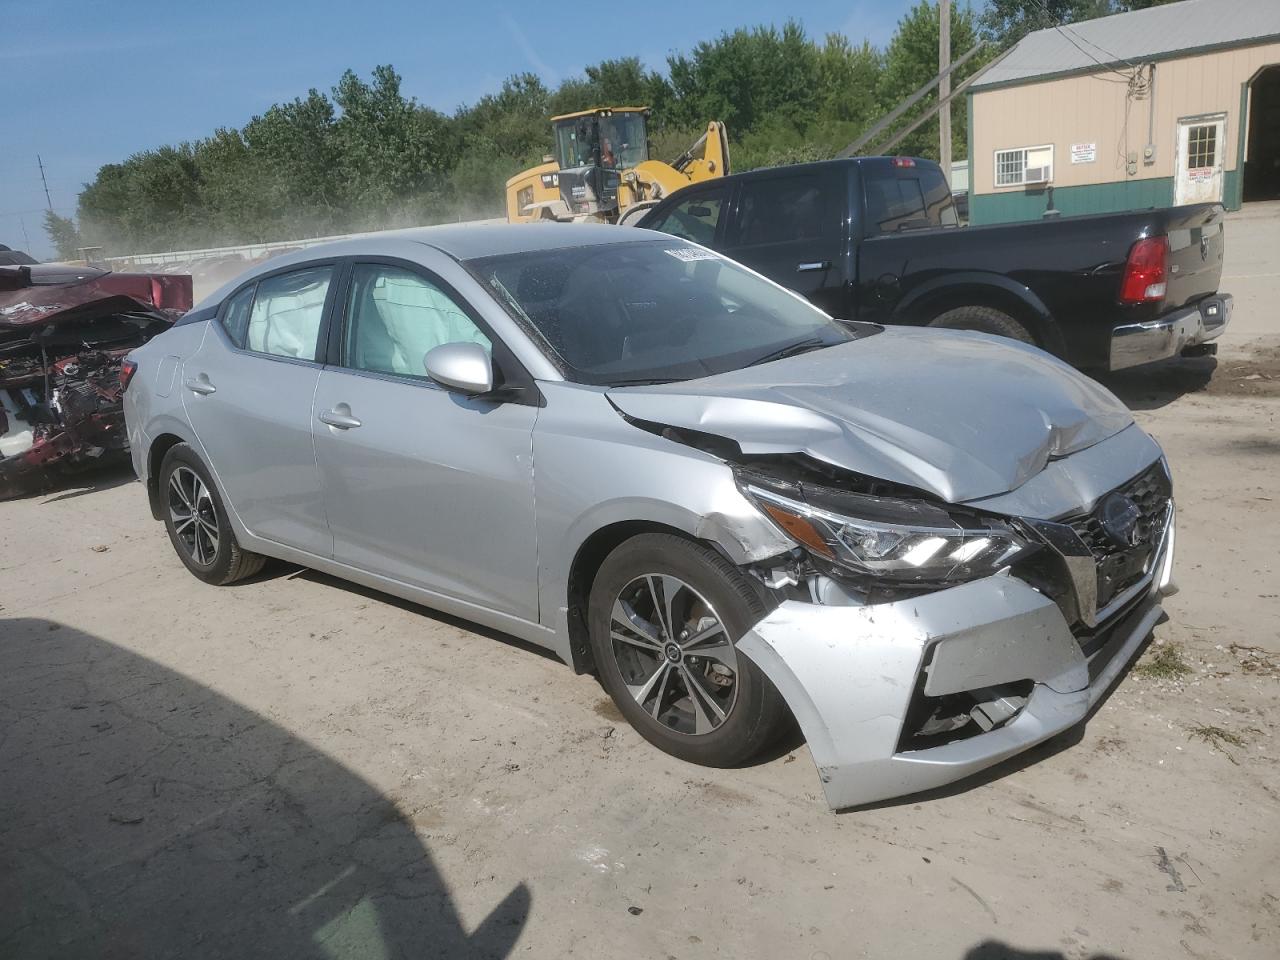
x=931, y=549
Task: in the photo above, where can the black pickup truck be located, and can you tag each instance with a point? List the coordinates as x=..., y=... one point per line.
x=877, y=238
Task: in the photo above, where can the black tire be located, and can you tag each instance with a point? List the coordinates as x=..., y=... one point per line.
x=983, y=320
x=757, y=714
x=224, y=559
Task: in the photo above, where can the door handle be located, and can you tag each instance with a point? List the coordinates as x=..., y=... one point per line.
x=335, y=418
x=812, y=266
x=200, y=385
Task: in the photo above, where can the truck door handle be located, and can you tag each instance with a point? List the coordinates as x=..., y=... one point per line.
x=338, y=418
x=813, y=265
x=200, y=385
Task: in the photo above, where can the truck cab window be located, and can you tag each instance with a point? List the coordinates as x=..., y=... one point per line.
x=896, y=202
x=693, y=219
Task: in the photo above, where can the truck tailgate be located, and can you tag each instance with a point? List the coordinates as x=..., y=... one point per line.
x=1195, y=253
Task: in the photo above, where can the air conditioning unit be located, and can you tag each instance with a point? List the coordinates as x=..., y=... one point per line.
x=1039, y=165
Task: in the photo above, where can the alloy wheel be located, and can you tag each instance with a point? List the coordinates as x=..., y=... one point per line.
x=194, y=517
x=674, y=654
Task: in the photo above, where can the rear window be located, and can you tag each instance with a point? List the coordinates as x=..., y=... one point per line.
x=914, y=199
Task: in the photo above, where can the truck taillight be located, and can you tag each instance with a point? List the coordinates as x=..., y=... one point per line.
x=903, y=162
x=1146, y=272
x=127, y=369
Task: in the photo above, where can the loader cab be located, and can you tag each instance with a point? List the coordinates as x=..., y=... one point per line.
x=593, y=148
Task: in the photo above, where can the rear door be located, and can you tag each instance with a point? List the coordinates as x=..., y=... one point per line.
x=899, y=195
x=788, y=225
x=247, y=394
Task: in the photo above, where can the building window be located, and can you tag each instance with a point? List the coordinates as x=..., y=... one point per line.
x=524, y=199
x=1024, y=165
x=1202, y=146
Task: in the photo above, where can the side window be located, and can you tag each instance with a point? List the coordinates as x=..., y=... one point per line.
x=285, y=320
x=778, y=209
x=235, y=315
x=395, y=316
x=693, y=219
x=895, y=203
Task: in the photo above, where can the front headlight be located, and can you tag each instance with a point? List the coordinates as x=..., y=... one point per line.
x=901, y=541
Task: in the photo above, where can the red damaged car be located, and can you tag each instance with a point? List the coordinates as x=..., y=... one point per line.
x=64, y=332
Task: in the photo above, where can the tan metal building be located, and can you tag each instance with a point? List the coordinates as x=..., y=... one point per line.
x=1168, y=105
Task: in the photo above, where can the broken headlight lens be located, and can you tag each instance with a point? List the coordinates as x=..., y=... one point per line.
x=921, y=543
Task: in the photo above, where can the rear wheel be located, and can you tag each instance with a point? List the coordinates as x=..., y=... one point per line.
x=983, y=320
x=664, y=617
x=197, y=522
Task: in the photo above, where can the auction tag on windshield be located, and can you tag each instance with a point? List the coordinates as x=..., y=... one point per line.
x=689, y=254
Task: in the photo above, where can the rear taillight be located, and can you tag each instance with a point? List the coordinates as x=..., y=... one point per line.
x=1146, y=272
x=127, y=369
x=903, y=162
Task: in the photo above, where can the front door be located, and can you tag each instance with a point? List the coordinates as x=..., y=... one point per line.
x=1200, y=153
x=787, y=225
x=422, y=485
x=247, y=394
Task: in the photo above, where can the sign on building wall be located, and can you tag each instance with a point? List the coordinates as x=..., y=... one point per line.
x=1084, y=152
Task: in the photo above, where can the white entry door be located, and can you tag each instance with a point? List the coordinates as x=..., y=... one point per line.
x=1199, y=159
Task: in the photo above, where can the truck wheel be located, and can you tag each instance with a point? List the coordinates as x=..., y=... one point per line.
x=664, y=616
x=197, y=522
x=983, y=320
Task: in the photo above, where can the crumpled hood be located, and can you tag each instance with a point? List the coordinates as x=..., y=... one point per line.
x=962, y=415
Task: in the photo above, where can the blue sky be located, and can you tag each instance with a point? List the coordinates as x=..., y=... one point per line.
x=88, y=83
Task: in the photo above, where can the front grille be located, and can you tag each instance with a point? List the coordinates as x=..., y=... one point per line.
x=1120, y=565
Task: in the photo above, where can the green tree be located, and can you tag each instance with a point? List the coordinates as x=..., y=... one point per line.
x=911, y=61
x=63, y=235
x=1005, y=22
x=287, y=166
x=745, y=78
x=388, y=147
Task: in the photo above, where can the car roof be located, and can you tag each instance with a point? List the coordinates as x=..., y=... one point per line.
x=461, y=241
x=797, y=168
x=492, y=240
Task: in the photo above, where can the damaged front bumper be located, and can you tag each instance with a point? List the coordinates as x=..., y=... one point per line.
x=860, y=679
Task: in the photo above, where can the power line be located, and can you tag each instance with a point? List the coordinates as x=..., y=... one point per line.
x=1067, y=34
x=47, y=199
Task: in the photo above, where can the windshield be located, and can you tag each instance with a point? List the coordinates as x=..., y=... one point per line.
x=654, y=310
x=622, y=141
x=620, y=137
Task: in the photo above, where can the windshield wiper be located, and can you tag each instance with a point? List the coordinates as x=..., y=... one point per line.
x=790, y=350
x=642, y=381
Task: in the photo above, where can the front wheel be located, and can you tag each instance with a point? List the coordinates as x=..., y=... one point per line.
x=664, y=618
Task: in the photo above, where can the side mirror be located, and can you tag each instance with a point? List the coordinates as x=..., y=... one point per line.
x=464, y=367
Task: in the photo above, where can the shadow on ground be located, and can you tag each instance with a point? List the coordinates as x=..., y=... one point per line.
x=144, y=815
x=1156, y=385
x=113, y=472
x=995, y=950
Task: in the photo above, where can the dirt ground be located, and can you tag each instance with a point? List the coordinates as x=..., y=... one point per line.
x=299, y=767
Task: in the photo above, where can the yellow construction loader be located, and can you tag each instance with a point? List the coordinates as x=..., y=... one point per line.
x=601, y=169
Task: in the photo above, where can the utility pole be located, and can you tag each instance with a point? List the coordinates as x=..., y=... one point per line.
x=47, y=200
x=944, y=88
